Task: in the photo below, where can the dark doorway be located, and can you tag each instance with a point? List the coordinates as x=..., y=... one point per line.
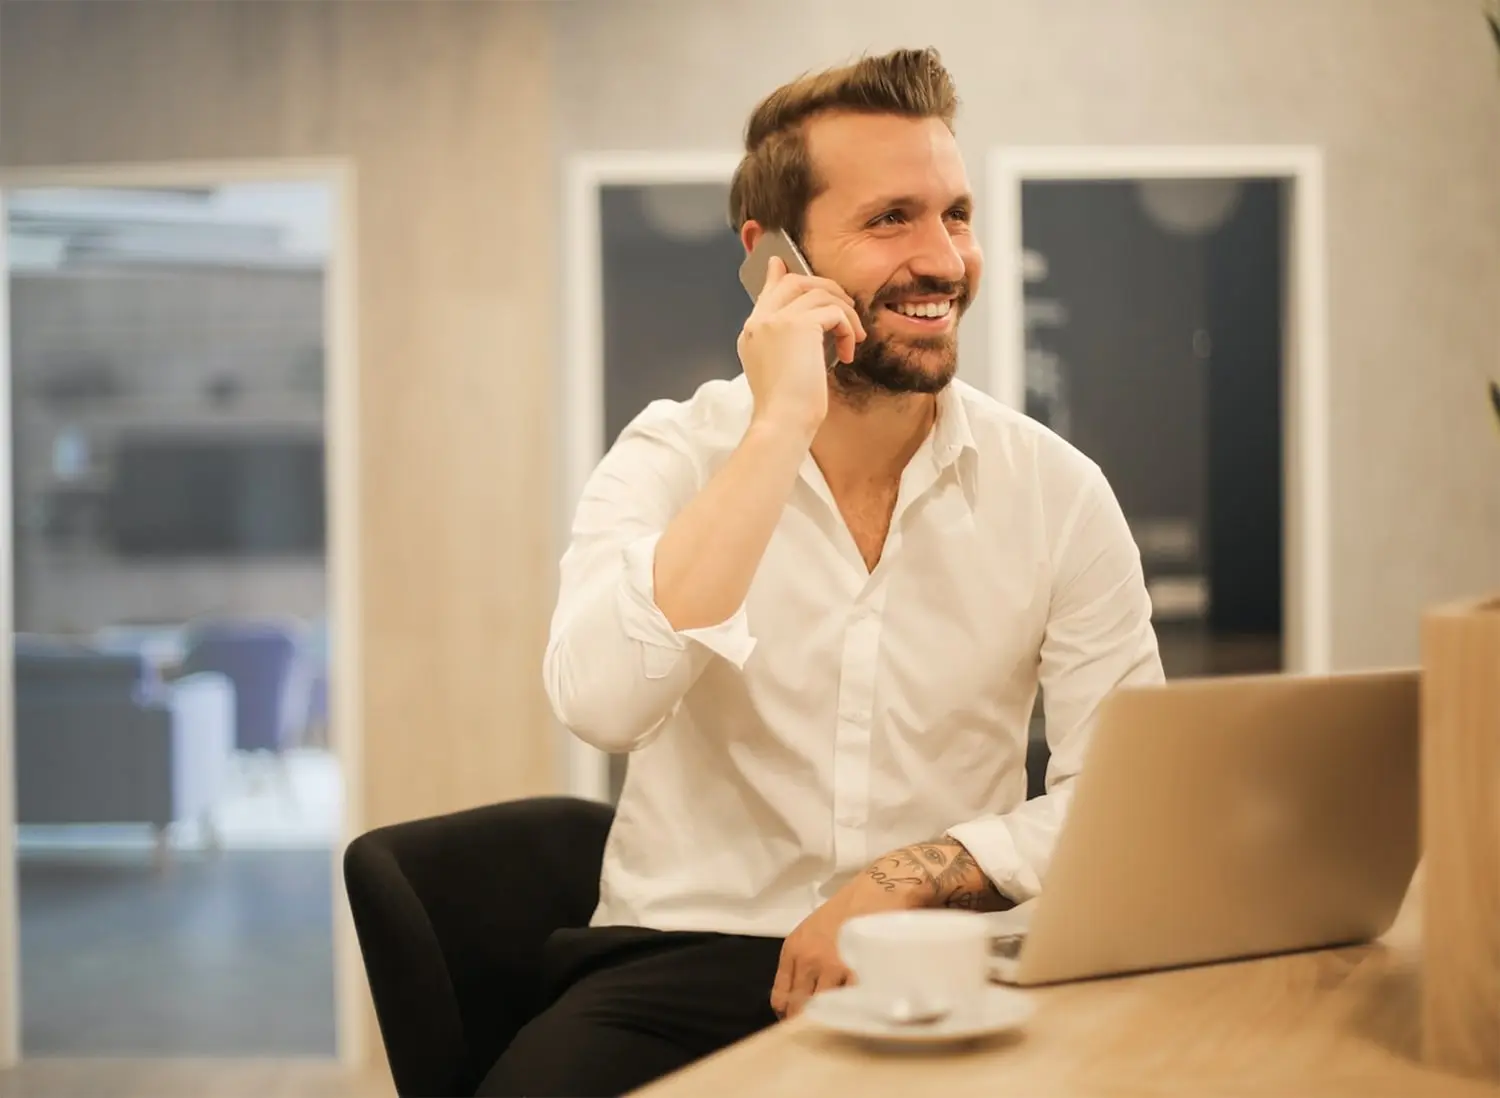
x=1154, y=344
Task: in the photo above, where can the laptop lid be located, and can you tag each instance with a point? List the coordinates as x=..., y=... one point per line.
x=1233, y=817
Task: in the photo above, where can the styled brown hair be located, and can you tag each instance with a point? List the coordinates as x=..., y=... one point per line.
x=775, y=181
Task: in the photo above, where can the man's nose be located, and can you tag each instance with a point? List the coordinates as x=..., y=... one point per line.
x=938, y=256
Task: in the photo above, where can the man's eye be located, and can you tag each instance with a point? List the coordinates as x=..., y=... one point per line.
x=890, y=217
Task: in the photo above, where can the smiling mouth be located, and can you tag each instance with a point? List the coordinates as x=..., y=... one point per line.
x=922, y=310
x=926, y=314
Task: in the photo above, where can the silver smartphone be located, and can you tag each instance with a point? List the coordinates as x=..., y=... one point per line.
x=778, y=243
x=753, y=275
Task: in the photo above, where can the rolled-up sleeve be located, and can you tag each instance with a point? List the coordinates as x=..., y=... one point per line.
x=1098, y=637
x=615, y=670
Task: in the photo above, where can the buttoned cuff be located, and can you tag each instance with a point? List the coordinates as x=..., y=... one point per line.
x=644, y=622
x=989, y=841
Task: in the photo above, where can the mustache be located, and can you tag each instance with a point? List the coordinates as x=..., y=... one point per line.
x=925, y=284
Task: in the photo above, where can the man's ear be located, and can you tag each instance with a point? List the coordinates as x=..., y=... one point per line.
x=750, y=233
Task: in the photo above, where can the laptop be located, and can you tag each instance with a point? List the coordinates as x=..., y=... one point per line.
x=1221, y=819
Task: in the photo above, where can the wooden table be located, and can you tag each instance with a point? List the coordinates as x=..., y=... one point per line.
x=1337, y=1022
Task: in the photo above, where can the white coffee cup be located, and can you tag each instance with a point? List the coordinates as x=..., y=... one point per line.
x=911, y=964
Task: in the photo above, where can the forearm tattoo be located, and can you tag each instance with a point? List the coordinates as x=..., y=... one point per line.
x=943, y=873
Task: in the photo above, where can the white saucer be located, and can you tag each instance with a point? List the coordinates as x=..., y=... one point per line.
x=841, y=1010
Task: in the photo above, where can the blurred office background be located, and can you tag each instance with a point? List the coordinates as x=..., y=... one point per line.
x=177, y=791
x=173, y=345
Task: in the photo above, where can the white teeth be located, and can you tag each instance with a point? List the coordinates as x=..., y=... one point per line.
x=925, y=308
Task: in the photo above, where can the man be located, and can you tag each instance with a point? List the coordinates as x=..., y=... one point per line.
x=816, y=604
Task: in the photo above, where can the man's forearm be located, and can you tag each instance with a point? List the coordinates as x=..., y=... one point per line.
x=710, y=552
x=939, y=873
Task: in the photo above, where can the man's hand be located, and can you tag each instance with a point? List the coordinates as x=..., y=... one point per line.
x=781, y=346
x=940, y=873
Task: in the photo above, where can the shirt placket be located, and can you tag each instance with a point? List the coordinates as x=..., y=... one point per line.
x=856, y=717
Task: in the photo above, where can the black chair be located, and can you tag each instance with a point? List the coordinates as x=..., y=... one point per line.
x=451, y=913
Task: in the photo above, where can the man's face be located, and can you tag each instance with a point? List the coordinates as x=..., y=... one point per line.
x=893, y=226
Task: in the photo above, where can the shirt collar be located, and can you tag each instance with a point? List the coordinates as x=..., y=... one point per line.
x=951, y=434
x=950, y=438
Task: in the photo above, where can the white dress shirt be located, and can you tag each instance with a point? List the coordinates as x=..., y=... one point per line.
x=842, y=713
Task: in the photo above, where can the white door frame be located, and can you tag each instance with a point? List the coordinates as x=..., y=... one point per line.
x=582, y=396
x=1306, y=595
x=341, y=418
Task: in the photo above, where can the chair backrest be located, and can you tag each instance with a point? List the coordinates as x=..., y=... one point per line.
x=258, y=658
x=74, y=671
x=451, y=914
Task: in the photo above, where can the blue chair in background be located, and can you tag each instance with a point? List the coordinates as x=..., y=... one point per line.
x=260, y=658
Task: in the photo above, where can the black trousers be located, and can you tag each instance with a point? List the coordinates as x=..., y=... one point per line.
x=631, y=1005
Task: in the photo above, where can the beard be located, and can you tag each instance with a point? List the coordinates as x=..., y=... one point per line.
x=884, y=366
